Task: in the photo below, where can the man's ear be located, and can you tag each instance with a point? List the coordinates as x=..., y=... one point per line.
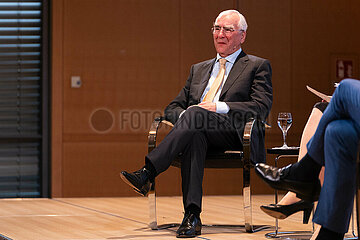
x=243, y=37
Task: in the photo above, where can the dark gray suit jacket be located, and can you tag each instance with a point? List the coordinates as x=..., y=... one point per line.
x=247, y=91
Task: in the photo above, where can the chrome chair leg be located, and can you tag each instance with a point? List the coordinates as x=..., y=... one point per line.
x=152, y=207
x=246, y=189
x=356, y=209
x=353, y=220
x=249, y=227
x=353, y=233
x=247, y=209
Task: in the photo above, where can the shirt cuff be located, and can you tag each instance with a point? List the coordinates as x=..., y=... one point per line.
x=222, y=107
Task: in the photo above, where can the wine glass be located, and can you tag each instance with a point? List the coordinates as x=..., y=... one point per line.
x=284, y=123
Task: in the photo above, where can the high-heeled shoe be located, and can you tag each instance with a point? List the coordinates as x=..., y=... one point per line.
x=279, y=178
x=283, y=211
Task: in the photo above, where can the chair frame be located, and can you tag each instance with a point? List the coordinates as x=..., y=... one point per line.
x=234, y=159
x=289, y=235
x=357, y=202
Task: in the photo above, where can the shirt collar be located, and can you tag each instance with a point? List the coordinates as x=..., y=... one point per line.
x=231, y=58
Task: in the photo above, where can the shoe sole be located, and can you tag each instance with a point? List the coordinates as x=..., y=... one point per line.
x=189, y=236
x=277, y=215
x=131, y=185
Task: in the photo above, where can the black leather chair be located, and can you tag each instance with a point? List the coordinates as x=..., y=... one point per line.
x=224, y=159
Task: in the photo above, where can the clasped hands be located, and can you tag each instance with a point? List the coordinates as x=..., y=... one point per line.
x=210, y=106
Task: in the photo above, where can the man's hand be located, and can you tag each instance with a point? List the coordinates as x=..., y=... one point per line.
x=210, y=106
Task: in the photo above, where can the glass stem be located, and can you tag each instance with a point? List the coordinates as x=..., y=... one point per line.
x=284, y=137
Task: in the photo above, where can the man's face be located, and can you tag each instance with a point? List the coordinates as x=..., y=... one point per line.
x=227, y=41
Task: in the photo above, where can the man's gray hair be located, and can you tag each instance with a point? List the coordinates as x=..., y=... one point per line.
x=242, y=25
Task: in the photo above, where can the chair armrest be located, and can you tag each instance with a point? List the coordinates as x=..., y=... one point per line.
x=154, y=130
x=247, y=131
x=247, y=141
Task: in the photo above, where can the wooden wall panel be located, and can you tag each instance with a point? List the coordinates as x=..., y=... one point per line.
x=127, y=48
x=57, y=16
x=269, y=36
x=318, y=31
x=92, y=169
x=127, y=54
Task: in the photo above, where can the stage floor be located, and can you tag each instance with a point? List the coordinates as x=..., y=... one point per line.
x=127, y=218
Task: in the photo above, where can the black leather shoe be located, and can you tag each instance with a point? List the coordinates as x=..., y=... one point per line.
x=138, y=180
x=278, y=178
x=283, y=211
x=190, y=226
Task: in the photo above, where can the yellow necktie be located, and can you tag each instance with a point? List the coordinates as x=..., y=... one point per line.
x=209, y=97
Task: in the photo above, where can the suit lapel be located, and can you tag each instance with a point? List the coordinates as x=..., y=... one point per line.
x=238, y=67
x=205, y=78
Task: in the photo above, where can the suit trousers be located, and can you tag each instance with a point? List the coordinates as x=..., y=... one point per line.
x=335, y=145
x=196, y=131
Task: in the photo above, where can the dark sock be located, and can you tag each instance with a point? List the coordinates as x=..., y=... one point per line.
x=326, y=234
x=192, y=208
x=306, y=169
x=149, y=166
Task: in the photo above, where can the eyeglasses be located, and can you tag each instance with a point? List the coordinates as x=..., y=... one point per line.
x=227, y=30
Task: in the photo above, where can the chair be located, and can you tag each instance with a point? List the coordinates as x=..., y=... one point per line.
x=224, y=159
x=357, y=197
x=357, y=203
x=289, y=235
x=295, y=235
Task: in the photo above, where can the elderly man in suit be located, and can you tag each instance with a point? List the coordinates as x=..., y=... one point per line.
x=210, y=112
